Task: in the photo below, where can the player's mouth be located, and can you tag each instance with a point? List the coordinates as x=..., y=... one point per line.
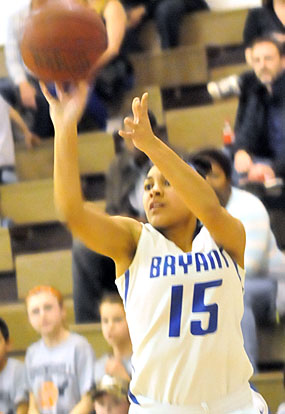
x=155, y=205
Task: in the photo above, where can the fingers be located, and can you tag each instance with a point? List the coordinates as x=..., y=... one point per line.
x=45, y=92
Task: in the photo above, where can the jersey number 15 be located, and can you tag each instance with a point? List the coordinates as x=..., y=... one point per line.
x=198, y=306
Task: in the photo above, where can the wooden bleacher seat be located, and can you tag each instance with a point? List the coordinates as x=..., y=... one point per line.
x=21, y=333
x=218, y=28
x=196, y=127
x=93, y=333
x=214, y=28
x=30, y=202
x=224, y=71
x=171, y=68
x=270, y=385
x=154, y=101
x=96, y=150
x=47, y=268
x=3, y=70
x=6, y=256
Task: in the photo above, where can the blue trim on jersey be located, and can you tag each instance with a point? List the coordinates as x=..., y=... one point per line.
x=224, y=257
x=133, y=398
x=127, y=280
x=236, y=266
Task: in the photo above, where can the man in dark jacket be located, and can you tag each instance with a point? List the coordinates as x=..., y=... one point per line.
x=260, y=121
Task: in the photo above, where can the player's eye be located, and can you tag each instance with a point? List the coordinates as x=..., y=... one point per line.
x=147, y=186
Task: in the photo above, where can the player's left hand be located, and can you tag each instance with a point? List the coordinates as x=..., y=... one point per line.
x=138, y=129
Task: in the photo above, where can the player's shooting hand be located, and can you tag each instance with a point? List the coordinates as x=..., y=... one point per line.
x=138, y=129
x=67, y=107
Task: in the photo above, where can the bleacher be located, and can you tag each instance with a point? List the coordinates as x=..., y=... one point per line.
x=30, y=201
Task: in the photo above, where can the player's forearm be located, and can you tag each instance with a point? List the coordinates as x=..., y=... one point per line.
x=192, y=188
x=67, y=186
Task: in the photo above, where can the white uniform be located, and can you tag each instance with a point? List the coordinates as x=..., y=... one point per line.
x=184, y=312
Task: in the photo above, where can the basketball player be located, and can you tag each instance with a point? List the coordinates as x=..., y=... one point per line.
x=182, y=291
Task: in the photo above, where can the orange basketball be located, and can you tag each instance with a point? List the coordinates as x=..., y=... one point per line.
x=62, y=41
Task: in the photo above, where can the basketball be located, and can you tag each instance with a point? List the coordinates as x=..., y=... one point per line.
x=62, y=41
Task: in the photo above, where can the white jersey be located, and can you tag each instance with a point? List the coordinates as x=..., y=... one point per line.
x=184, y=312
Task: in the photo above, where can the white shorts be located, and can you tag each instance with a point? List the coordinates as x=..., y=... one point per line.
x=241, y=402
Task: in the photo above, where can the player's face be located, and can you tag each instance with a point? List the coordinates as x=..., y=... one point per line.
x=163, y=206
x=4, y=348
x=108, y=404
x=114, y=325
x=45, y=314
x=218, y=181
x=266, y=62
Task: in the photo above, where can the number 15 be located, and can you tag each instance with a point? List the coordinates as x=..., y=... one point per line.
x=197, y=307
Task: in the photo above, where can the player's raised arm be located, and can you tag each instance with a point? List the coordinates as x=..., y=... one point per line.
x=200, y=198
x=112, y=236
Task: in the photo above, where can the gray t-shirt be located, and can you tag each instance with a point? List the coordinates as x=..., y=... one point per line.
x=59, y=376
x=13, y=388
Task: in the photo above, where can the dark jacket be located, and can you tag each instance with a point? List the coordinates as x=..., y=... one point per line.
x=251, y=127
x=120, y=182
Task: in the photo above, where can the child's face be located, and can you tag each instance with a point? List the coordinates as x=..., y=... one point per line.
x=4, y=348
x=108, y=404
x=45, y=314
x=114, y=324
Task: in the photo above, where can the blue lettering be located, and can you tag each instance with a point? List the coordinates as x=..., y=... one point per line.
x=183, y=263
x=217, y=257
x=155, y=267
x=201, y=260
x=169, y=263
x=224, y=257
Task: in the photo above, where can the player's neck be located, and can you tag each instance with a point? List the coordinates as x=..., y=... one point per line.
x=182, y=234
x=55, y=338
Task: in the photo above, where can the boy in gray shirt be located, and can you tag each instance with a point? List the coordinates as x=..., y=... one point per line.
x=13, y=393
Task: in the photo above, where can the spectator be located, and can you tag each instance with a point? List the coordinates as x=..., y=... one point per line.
x=7, y=151
x=111, y=396
x=13, y=393
x=167, y=14
x=93, y=273
x=260, y=121
x=116, y=333
x=59, y=367
x=114, y=72
x=263, y=21
x=264, y=262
